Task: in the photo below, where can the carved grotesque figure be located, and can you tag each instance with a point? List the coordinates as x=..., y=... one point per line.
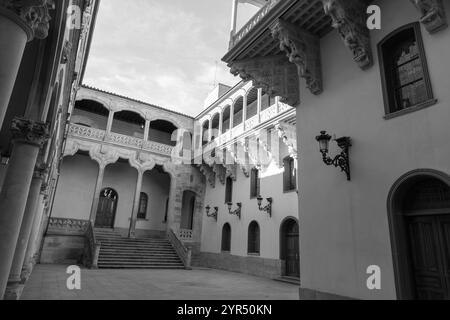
x=348, y=17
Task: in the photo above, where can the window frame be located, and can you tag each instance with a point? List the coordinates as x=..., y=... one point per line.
x=255, y=183
x=143, y=196
x=291, y=162
x=388, y=108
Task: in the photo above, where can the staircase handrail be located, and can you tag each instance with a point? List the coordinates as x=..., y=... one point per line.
x=185, y=253
x=92, y=247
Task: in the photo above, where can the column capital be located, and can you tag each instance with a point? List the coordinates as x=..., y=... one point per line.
x=32, y=15
x=40, y=171
x=349, y=19
x=29, y=131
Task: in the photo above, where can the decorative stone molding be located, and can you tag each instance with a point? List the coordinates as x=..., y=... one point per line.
x=67, y=226
x=303, y=49
x=274, y=74
x=231, y=171
x=40, y=171
x=29, y=131
x=288, y=133
x=433, y=14
x=32, y=15
x=349, y=18
x=220, y=172
x=67, y=48
x=209, y=174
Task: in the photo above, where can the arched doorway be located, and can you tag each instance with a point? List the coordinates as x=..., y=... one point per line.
x=420, y=229
x=106, y=210
x=289, y=241
x=187, y=213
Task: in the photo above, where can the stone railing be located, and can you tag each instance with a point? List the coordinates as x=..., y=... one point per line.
x=183, y=252
x=66, y=226
x=255, y=20
x=119, y=139
x=91, y=248
x=185, y=234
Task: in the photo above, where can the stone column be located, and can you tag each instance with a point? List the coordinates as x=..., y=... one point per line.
x=110, y=122
x=210, y=130
x=28, y=138
x=234, y=17
x=20, y=22
x=220, y=123
x=146, y=130
x=98, y=188
x=13, y=290
x=32, y=241
x=244, y=111
x=137, y=198
x=259, y=104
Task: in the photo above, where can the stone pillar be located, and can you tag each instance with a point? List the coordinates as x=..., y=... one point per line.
x=259, y=104
x=220, y=123
x=110, y=122
x=98, y=189
x=35, y=229
x=137, y=198
x=20, y=22
x=234, y=17
x=231, y=117
x=244, y=111
x=146, y=130
x=13, y=290
x=28, y=138
x=210, y=130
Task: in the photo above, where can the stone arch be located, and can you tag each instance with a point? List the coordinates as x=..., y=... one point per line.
x=403, y=272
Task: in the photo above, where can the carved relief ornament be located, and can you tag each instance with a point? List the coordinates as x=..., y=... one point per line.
x=29, y=131
x=209, y=174
x=349, y=18
x=433, y=14
x=303, y=49
x=33, y=15
x=274, y=74
x=288, y=134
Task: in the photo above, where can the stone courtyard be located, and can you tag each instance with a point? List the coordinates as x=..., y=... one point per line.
x=48, y=282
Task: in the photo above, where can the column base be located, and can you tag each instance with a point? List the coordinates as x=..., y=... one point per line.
x=13, y=291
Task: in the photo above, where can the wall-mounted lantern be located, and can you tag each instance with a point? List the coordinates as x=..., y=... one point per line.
x=212, y=214
x=342, y=160
x=4, y=160
x=236, y=212
x=267, y=208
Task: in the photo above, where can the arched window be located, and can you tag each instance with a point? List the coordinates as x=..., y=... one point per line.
x=226, y=119
x=226, y=237
x=143, y=203
x=404, y=70
x=253, y=238
x=252, y=103
x=290, y=175
x=229, y=190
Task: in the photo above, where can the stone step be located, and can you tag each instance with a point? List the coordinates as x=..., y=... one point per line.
x=291, y=280
x=113, y=266
x=139, y=263
x=121, y=242
x=137, y=249
x=131, y=239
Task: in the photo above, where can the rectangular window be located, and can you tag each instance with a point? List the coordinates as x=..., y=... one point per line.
x=404, y=70
x=254, y=184
x=290, y=175
x=229, y=190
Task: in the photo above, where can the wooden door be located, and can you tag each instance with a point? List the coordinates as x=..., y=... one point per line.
x=106, y=209
x=292, y=251
x=429, y=239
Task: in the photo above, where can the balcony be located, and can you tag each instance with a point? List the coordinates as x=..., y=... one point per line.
x=101, y=136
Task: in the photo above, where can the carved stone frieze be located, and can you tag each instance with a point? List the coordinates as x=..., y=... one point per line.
x=288, y=133
x=433, y=14
x=274, y=74
x=33, y=15
x=29, y=131
x=349, y=18
x=303, y=49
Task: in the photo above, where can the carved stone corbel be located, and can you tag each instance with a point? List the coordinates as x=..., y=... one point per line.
x=349, y=18
x=32, y=15
x=433, y=14
x=209, y=174
x=220, y=172
x=288, y=133
x=303, y=49
x=274, y=74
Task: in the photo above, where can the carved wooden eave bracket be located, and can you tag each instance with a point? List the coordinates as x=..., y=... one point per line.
x=288, y=134
x=349, y=18
x=303, y=49
x=274, y=74
x=433, y=14
x=32, y=15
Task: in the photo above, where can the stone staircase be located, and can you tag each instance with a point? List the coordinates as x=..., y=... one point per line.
x=117, y=252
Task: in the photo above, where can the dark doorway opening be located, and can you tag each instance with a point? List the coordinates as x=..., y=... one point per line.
x=106, y=210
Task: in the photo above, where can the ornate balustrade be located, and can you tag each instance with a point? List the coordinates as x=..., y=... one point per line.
x=185, y=234
x=254, y=21
x=183, y=252
x=66, y=226
x=101, y=136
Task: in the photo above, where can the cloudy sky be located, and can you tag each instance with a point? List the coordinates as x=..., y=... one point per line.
x=164, y=52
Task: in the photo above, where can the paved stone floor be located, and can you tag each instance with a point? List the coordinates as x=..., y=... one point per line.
x=48, y=282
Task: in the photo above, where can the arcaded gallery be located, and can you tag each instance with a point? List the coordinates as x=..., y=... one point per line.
x=327, y=158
